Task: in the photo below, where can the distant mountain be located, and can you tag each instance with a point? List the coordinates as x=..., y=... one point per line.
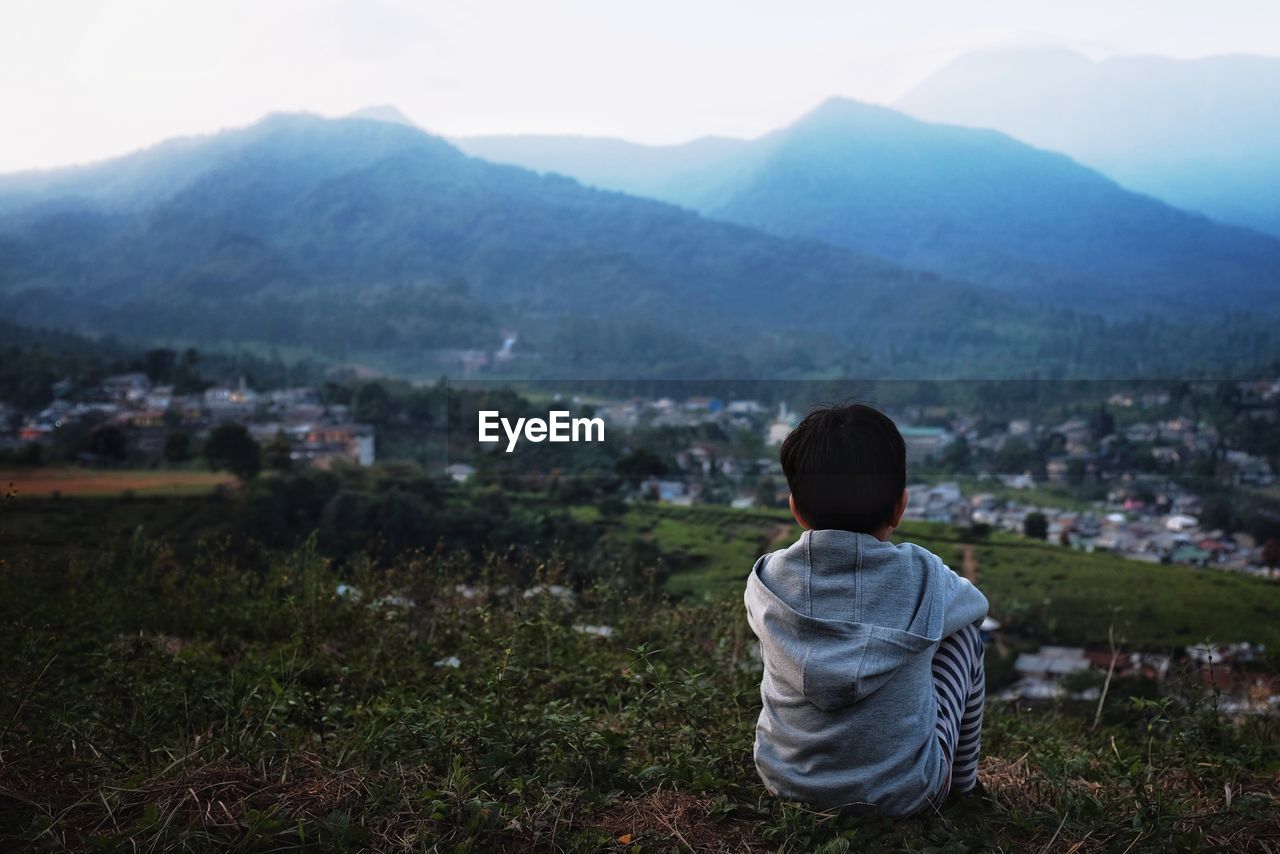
x=1202, y=134
x=691, y=174
x=964, y=203
x=981, y=206
x=362, y=237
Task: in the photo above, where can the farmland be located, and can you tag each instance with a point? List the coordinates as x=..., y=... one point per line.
x=77, y=482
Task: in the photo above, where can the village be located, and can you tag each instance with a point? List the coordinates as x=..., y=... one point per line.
x=147, y=415
x=1080, y=494
x=1146, y=515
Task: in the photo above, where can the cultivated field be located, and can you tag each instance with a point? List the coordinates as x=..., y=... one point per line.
x=44, y=482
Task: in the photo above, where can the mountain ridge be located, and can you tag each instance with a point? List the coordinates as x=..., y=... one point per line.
x=1032, y=229
x=387, y=223
x=1201, y=133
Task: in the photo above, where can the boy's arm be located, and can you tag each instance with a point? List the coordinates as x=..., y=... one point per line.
x=963, y=603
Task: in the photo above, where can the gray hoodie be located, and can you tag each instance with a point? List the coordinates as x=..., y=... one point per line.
x=848, y=626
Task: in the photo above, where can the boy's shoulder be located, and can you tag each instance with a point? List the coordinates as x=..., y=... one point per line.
x=933, y=562
x=920, y=552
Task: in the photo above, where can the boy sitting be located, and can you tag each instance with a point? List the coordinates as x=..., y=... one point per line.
x=873, y=680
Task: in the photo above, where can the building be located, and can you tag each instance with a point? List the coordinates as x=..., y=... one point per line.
x=322, y=444
x=459, y=472
x=924, y=443
x=127, y=387
x=1051, y=662
x=225, y=402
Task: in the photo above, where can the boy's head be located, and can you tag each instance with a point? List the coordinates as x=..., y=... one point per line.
x=847, y=469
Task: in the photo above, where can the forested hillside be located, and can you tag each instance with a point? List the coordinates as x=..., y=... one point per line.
x=372, y=242
x=966, y=203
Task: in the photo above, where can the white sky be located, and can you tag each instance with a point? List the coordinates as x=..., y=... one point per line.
x=85, y=79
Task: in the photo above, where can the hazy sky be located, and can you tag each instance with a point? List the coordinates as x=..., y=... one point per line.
x=84, y=79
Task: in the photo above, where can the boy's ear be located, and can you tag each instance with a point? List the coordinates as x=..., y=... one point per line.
x=899, y=509
x=796, y=514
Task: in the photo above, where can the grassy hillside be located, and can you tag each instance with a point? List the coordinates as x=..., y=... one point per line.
x=1039, y=590
x=152, y=705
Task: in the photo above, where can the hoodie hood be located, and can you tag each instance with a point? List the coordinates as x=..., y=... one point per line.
x=833, y=663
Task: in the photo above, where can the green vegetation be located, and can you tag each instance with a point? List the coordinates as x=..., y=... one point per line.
x=34, y=361
x=154, y=703
x=707, y=551
x=1047, y=593
x=1042, y=592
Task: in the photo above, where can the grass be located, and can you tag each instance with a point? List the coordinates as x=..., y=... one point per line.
x=1044, y=591
x=710, y=550
x=1060, y=595
x=56, y=529
x=1041, y=591
x=152, y=704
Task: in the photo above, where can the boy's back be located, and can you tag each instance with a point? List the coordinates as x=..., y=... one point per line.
x=873, y=681
x=848, y=626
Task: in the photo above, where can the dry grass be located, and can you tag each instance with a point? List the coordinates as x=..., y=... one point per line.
x=44, y=482
x=41, y=483
x=676, y=819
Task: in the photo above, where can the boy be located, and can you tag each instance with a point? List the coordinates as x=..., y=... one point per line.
x=873, y=667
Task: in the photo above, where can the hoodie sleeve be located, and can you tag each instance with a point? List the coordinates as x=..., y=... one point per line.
x=962, y=602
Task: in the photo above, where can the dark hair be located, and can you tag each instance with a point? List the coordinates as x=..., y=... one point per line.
x=846, y=466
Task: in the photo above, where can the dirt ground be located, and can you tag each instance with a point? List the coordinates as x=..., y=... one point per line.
x=43, y=482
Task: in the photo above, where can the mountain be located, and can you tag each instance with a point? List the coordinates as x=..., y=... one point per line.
x=690, y=174
x=968, y=204
x=978, y=205
x=1202, y=134
x=373, y=239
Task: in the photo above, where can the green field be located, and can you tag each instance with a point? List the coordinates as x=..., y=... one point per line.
x=56, y=529
x=1045, y=591
x=709, y=551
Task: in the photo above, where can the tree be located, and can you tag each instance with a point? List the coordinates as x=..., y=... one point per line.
x=1271, y=552
x=177, y=446
x=186, y=374
x=372, y=403
x=766, y=492
x=1104, y=423
x=108, y=442
x=640, y=464
x=1015, y=456
x=958, y=456
x=748, y=445
x=1036, y=526
x=278, y=453
x=230, y=447
x=159, y=364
